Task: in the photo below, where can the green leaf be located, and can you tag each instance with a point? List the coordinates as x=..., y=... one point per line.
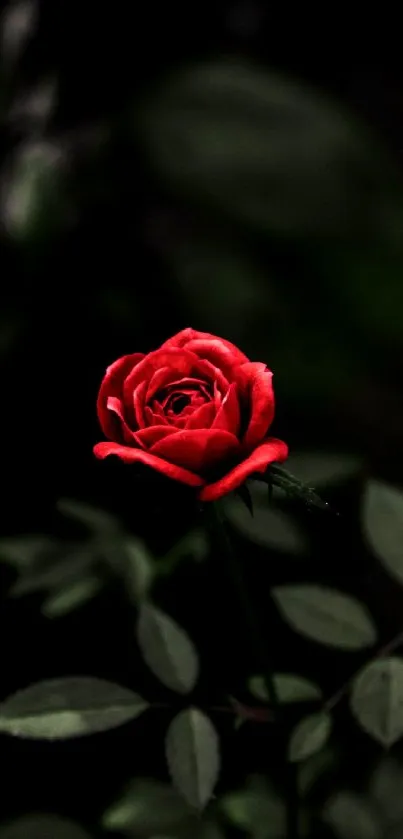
x=385, y=789
x=64, y=568
x=193, y=757
x=71, y=707
x=257, y=809
x=309, y=736
x=326, y=615
x=323, y=469
x=289, y=688
x=352, y=817
x=41, y=826
x=167, y=649
x=314, y=768
x=33, y=205
x=269, y=527
x=297, y=167
x=382, y=519
x=139, y=569
x=25, y=551
x=146, y=807
x=377, y=700
x=71, y=597
x=99, y=522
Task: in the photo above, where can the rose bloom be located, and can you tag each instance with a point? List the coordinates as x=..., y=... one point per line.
x=196, y=410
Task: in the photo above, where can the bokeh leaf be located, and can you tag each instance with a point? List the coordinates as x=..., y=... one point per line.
x=322, y=469
x=99, y=522
x=309, y=736
x=377, y=700
x=289, y=688
x=33, y=206
x=385, y=789
x=41, y=826
x=70, y=707
x=167, y=649
x=71, y=597
x=193, y=756
x=139, y=569
x=269, y=526
x=352, y=817
x=298, y=164
x=314, y=769
x=257, y=809
x=382, y=518
x=25, y=551
x=326, y=615
x=146, y=807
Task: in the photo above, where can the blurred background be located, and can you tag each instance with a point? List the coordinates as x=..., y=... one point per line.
x=172, y=167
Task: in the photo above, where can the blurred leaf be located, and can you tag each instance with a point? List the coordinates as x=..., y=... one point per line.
x=72, y=597
x=377, y=700
x=25, y=551
x=66, y=566
x=139, y=570
x=33, y=108
x=289, y=688
x=42, y=826
x=314, y=768
x=167, y=649
x=99, y=522
x=322, y=469
x=382, y=518
x=194, y=546
x=257, y=809
x=352, y=817
x=386, y=788
x=269, y=526
x=193, y=757
x=146, y=807
x=297, y=166
x=17, y=24
x=326, y=615
x=309, y=736
x=70, y=707
x=33, y=206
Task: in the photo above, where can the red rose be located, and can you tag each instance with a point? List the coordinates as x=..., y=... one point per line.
x=196, y=410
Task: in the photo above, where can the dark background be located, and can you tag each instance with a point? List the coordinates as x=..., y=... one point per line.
x=175, y=167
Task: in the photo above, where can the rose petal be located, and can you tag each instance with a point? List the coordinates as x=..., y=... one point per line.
x=221, y=353
x=202, y=417
x=261, y=407
x=135, y=411
x=179, y=361
x=270, y=451
x=112, y=385
x=122, y=431
x=228, y=416
x=146, y=437
x=212, y=374
x=197, y=450
x=155, y=415
x=131, y=455
x=183, y=338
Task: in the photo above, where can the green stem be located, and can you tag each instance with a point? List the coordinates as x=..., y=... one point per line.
x=260, y=650
x=252, y=626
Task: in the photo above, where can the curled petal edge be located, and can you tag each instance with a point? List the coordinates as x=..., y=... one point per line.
x=129, y=454
x=270, y=451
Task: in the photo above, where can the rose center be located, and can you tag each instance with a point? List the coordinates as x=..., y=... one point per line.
x=178, y=402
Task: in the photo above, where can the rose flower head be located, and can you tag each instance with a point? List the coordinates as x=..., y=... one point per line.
x=196, y=410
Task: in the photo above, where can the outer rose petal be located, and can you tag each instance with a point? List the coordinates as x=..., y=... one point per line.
x=268, y=452
x=261, y=408
x=221, y=353
x=122, y=430
x=112, y=385
x=182, y=339
x=197, y=449
x=131, y=455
